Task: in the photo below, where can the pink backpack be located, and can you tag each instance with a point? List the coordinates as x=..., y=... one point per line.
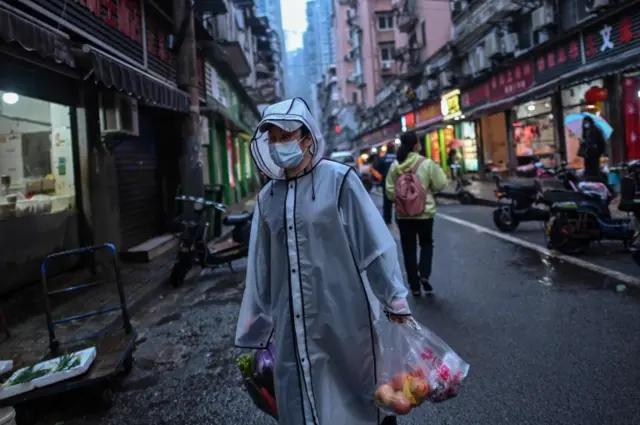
x=411, y=197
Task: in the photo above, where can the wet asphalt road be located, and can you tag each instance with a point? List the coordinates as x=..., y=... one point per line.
x=610, y=254
x=547, y=343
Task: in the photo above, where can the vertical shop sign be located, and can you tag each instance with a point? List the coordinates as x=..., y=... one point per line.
x=558, y=60
x=231, y=165
x=512, y=81
x=617, y=35
x=631, y=118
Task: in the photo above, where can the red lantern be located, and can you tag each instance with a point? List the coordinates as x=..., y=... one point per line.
x=595, y=95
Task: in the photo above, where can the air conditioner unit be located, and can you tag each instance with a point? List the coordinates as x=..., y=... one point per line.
x=593, y=5
x=118, y=114
x=542, y=17
x=432, y=84
x=445, y=78
x=492, y=45
x=480, y=59
x=510, y=43
x=386, y=65
x=351, y=12
x=431, y=70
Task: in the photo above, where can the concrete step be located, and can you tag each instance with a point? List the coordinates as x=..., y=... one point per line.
x=148, y=250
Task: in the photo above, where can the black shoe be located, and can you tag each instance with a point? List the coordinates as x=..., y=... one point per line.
x=416, y=293
x=427, y=286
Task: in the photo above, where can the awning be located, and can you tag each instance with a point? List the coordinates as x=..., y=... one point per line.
x=213, y=105
x=624, y=62
x=34, y=36
x=135, y=82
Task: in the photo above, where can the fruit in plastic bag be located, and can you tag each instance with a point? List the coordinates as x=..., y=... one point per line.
x=417, y=363
x=400, y=404
x=384, y=395
x=398, y=380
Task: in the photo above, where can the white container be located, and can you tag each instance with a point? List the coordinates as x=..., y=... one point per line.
x=7, y=416
x=87, y=358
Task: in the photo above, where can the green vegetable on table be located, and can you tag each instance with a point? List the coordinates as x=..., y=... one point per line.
x=66, y=362
x=27, y=375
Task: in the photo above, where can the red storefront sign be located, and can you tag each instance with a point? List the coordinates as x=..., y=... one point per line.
x=514, y=80
x=410, y=120
x=558, y=60
x=476, y=96
x=617, y=35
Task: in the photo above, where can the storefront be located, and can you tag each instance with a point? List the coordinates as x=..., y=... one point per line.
x=574, y=100
x=459, y=133
x=232, y=123
x=428, y=120
x=533, y=132
x=631, y=110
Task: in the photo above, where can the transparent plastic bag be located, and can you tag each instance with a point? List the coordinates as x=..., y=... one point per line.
x=416, y=366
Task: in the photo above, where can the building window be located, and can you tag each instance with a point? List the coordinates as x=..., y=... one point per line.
x=385, y=22
x=524, y=27
x=36, y=157
x=386, y=51
x=354, y=98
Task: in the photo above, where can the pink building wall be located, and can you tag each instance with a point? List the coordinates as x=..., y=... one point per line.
x=437, y=17
x=343, y=68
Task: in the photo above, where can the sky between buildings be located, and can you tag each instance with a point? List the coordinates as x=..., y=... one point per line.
x=294, y=21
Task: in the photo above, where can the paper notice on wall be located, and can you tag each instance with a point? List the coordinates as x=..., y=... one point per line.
x=11, y=161
x=62, y=161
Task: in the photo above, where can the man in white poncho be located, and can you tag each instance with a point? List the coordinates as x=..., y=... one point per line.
x=321, y=264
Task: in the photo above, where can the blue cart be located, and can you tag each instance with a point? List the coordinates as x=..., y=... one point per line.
x=114, y=346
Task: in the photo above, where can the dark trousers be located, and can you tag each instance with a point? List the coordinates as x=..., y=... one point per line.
x=390, y=420
x=387, y=208
x=413, y=232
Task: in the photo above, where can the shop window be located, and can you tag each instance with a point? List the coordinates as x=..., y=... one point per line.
x=534, y=132
x=36, y=157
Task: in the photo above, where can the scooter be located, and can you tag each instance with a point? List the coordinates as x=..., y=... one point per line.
x=574, y=225
x=535, y=169
x=630, y=203
x=518, y=202
x=194, y=250
x=462, y=194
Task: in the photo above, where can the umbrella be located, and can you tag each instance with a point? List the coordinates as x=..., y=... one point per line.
x=573, y=122
x=455, y=143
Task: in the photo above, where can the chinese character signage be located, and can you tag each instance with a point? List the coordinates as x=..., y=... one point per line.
x=450, y=105
x=612, y=37
x=558, y=60
x=428, y=113
x=512, y=81
x=475, y=97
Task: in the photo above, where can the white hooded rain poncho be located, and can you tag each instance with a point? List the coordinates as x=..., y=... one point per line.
x=321, y=261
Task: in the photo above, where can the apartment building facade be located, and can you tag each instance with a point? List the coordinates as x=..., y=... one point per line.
x=500, y=87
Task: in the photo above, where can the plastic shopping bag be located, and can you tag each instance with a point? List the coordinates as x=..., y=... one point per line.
x=415, y=366
x=257, y=375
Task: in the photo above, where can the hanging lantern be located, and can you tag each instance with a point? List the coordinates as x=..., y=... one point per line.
x=595, y=95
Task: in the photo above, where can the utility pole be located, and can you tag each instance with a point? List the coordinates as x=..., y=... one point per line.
x=191, y=152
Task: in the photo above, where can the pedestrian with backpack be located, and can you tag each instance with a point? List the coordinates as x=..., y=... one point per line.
x=411, y=182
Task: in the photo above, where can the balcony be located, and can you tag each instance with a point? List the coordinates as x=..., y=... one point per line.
x=230, y=50
x=386, y=68
x=408, y=17
x=243, y=4
x=213, y=7
x=356, y=78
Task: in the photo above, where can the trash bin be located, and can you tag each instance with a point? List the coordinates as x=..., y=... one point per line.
x=7, y=416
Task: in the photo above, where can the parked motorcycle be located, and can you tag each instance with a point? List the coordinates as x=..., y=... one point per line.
x=521, y=202
x=574, y=225
x=194, y=250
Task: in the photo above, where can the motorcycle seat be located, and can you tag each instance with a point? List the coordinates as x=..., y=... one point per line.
x=520, y=187
x=234, y=219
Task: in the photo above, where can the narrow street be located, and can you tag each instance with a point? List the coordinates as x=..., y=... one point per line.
x=548, y=343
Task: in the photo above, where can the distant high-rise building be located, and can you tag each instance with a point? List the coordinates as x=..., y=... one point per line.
x=325, y=34
x=297, y=79
x=272, y=9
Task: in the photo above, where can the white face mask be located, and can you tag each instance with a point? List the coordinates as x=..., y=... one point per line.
x=287, y=154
